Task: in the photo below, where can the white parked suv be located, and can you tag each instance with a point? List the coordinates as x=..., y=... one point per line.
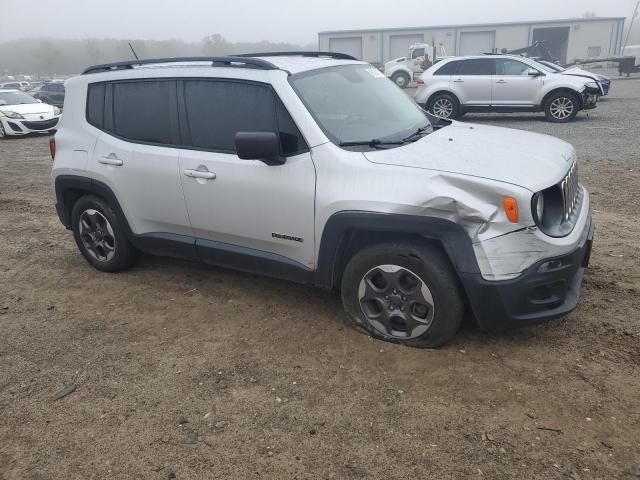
x=503, y=83
x=281, y=165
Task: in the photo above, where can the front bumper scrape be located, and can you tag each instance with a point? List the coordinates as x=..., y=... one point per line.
x=547, y=290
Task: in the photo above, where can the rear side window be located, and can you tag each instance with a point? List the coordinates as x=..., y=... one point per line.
x=95, y=104
x=450, y=68
x=217, y=110
x=476, y=66
x=142, y=111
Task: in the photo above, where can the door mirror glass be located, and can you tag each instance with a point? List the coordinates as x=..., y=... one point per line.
x=263, y=146
x=534, y=73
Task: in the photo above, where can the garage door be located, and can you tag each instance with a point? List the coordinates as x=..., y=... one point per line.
x=399, y=44
x=349, y=45
x=475, y=43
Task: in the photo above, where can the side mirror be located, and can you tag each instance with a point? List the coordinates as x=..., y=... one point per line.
x=533, y=72
x=38, y=100
x=263, y=146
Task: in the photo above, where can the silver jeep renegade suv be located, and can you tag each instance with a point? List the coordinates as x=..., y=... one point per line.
x=315, y=168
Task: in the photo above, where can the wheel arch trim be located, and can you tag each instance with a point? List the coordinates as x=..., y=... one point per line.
x=342, y=225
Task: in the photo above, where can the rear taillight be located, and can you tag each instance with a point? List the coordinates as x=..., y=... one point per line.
x=420, y=82
x=52, y=148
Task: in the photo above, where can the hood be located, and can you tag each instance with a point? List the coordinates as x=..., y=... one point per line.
x=28, y=108
x=578, y=72
x=395, y=60
x=530, y=160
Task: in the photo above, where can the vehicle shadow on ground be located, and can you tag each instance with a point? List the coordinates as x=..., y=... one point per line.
x=291, y=296
x=506, y=118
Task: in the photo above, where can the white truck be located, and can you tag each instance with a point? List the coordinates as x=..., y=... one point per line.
x=405, y=70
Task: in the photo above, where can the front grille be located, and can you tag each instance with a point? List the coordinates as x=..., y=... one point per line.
x=569, y=189
x=41, y=125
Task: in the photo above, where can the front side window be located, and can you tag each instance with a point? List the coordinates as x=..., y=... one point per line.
x=357, y=103
x=217, y=110
x=476, y=66
x=506, y=66
x=142, y=111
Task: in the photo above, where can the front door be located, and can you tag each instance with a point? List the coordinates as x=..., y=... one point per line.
x=473, y=82
x=245, y=207
x=513, y=85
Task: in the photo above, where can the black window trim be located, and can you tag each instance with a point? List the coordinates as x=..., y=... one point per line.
x=180, y=120
x=184, y=122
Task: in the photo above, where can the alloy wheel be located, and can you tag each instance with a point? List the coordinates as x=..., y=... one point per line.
x=562, y=108
x=2, y=134
x=396, y=302
x=97, y=235
x=443, y=107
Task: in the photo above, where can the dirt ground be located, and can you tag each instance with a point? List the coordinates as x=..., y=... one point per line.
x=190, y=372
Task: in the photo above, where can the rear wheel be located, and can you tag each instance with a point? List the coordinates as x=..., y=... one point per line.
x=561, y=107
x=444, y=105
x=403, y=293
x=401, y=79
x=100, y=235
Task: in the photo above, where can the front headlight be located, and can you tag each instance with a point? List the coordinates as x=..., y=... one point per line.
x=537, y=207
x=592, y=85
x=56, y=111
x=14, y=115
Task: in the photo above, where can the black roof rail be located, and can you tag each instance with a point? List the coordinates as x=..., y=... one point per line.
x=230, y=61
x=336, y=55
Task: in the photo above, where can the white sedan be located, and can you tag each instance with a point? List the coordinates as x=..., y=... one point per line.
x=21, y=114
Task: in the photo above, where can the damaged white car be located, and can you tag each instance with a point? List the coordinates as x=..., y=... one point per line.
x=282, y=165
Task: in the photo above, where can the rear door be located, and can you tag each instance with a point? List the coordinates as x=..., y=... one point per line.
x=239, y=206
x=136, y=154
x=513, y=86
x=472, y=82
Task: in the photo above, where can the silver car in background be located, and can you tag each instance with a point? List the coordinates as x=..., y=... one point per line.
x=503, y=83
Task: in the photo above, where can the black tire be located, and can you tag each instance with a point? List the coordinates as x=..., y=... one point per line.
x=414, y=260
x=446, y=105
x=401, y=79
x=109, y=238
x=556, y=105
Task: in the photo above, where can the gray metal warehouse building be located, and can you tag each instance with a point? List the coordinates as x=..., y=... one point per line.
x=566, y=39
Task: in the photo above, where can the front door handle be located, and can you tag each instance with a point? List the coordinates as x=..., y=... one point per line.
x=199, y=174
x=501, y=81
x=111, y=159
x=459, y=80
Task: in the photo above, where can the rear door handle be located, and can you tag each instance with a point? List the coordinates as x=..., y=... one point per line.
x=200, y=174
x=111, y=159
x=501, y=81
x=459, y=80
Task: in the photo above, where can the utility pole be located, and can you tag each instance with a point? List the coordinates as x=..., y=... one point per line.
x=633, y=18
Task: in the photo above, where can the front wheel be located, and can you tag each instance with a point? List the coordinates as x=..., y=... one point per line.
x=401, y=79
x=2, y=132
x=403, y=293
x=561, y=107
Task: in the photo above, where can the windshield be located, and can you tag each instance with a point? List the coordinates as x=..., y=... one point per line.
x=15, y=98
x=357, y=103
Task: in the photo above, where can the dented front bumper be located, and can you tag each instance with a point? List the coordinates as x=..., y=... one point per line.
x=590, y=98
x=547, y=290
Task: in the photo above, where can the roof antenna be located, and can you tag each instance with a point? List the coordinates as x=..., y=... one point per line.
x=133, y=51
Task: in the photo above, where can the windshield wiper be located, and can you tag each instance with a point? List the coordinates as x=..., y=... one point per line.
x=417, y=133
x=375, y=143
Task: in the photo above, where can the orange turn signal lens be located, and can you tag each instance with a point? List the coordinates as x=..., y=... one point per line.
x=510, y=205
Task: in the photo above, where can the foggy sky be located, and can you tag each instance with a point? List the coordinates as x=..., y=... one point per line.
x=296, y=21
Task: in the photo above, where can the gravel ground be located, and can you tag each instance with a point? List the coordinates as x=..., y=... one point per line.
x=185, y=371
